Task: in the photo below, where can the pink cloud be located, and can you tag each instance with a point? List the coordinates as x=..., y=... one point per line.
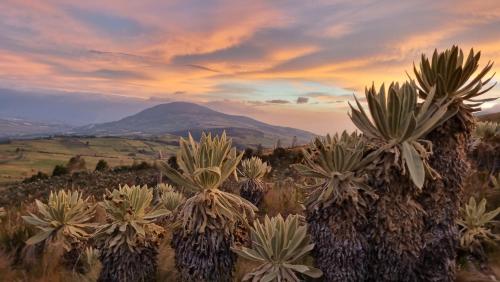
x=140, y=49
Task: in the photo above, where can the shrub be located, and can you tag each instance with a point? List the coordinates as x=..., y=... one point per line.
x=102, y=165
x=76, y=163
x=248, y=153
x=39, y=176
x=172, y=162
x=59, y=170
x=140, y=166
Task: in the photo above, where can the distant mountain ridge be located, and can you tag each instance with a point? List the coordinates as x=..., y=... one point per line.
x=490, y=117
x=179, y=118
x=13, y=127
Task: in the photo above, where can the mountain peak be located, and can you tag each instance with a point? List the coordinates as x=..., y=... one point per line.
x=179, y=107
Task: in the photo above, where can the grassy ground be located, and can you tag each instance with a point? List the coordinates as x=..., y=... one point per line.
x=22, y=158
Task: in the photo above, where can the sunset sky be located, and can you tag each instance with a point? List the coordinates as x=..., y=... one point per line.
x=293, y=63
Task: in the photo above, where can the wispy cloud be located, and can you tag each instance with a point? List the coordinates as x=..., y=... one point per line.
x=202, y=68
x=278, y=101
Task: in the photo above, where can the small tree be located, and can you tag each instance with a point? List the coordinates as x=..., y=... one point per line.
x=39, y=176
x=248, y=153
x=59, y=170
x=76, y=163
x=259, y=151
x=278, y=144
x=172, y=162
x=294, y=141
x=102, y=165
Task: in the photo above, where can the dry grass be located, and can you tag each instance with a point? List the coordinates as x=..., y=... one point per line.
x=283, y=197
x=482, y=273
x=166, y=260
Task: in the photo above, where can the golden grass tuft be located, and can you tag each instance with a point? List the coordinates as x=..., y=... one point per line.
x=282, y=198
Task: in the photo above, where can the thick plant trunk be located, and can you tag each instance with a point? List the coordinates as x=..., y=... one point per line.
x=341, y=248
x=396, y=227
x=72, y=260
x=486, y=156
x=204, y=257
x=253, y=191
x=126, y=266
x=442, y=198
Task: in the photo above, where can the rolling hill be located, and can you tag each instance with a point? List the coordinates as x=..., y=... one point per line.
x=22, y=158
x=180, y=118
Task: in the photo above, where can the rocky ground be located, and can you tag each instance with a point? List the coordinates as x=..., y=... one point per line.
x=92, y=183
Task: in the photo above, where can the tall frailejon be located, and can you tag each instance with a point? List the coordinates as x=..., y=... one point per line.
x=207, y=220
x=457, y=82
x=129, y=239
x=337, y=205
x=397, y=174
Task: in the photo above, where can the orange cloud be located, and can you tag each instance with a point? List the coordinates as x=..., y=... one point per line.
x=216, y=51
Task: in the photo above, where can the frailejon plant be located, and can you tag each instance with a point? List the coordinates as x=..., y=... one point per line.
x=252, y=186
x=171, y=200
x=484, y=146
x=398, y=124
x=495, y=180
x=396, y=129
x=91, y=265
x=475, y=227
x=128, y=241
x=336, y=205
x=159, y=189
x=164, y=187
x=452, y=78
x=487, y=130
x=280, y=247
x=66, y=219
x=209, y=218
x=3, y=214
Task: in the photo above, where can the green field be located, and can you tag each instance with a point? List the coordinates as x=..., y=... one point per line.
x=22, y=158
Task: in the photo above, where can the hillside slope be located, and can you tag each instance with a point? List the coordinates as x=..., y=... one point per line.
x=22, y=158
